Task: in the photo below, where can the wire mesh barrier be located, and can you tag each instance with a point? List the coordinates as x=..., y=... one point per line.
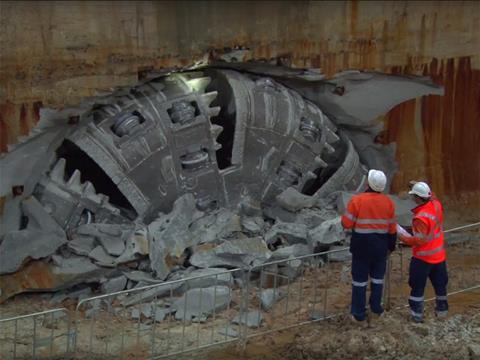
x=162, y=319
x=43, y=335
x=221, y=307
x=296, y=291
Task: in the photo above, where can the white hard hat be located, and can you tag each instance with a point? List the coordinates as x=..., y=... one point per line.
x=421, y=189
x=377, y=180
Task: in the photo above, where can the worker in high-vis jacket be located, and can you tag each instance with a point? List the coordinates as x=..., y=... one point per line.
x=371, y=218
x=429, y=255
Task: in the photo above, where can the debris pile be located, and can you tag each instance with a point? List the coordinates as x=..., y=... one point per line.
x=185, y=175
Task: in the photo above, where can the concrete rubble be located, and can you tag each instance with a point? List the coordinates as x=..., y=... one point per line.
x=252, y=319
x=254, y=166
x=291, y=251
x=170, y=234
x=289, y=233
x=41, y=238
x=292, y=200
x=269, y=297
x=235, y=253
x=327, y=233
x=114, y=284
x=339, y=255
x=202, y=302
x=202, y=278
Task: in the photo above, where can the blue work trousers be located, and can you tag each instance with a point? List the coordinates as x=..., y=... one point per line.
x=420, y=271
x=362, y=268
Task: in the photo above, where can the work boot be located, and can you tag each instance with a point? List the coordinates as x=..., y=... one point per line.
x=374, y=318
x=441, y=315
x=362, y=324
x=416, y=319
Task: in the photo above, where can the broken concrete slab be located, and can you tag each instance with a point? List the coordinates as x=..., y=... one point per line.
x=152, y=293
x=253, y=319
x=160, y=313
x=315, y=216
x=292, y=200
x=252, y=225
x=277, y=213
x=115, y=284
x=75, y=294
x=12, y=214
x=170, y=234
x=113, y=246
x=208, y=277
x=42, y=237
x=233, y=253
x=291, y=268
x=111, y=236
x=204, y=301
x=339, y=256
x=268, y=297
x=290, y=233
x=218, y=225
x=141, y=276
x=136, y=246
x=327, y=233
x=82, y=245
x=291, y=251
x=100, y=256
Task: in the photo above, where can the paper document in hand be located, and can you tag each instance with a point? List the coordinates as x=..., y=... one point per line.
x=402, y=232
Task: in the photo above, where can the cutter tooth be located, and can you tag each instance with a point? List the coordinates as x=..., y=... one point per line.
x=214, y=111
x=199, y=84
x=215, y=130
x=331, y=136
x=330, y=148
x=209, y=97
x=217, y=146
x=310, y=175
x=319, y=161
x=88, y=188
x=58, y=171
x=75, y=181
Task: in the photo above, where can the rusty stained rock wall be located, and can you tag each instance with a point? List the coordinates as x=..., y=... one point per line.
x=56, y=53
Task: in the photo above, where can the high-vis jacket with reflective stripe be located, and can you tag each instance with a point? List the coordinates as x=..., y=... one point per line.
x=427, y=241
x=371, y=217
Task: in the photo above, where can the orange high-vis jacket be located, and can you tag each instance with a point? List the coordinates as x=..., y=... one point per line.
x=428, y=242
x=370, y=212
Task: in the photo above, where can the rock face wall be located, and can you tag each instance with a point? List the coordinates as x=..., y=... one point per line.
x=55, y=54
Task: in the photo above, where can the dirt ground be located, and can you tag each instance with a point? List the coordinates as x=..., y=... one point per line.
x=391, y=337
